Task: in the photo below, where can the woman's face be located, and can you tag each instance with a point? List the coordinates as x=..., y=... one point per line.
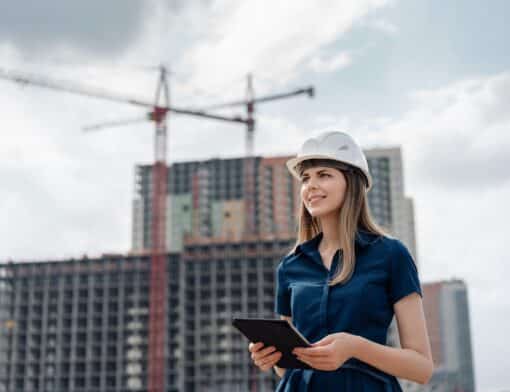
x=322, y=190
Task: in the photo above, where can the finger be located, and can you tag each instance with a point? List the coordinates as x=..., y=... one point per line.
x=316, y=364
x=260, y=355
x=272, y=363
x=313, y=360
x=314, y=357
x=255, y=346
x=259, y=345
x=257, y=352
x=314, y=351
x=275, y=356
x=263, y=354
x=270, y=360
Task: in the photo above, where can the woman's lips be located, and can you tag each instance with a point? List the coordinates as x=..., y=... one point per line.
x=316, y=199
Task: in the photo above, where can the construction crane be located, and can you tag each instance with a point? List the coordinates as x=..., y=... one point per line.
x=250, y=228
x=158, y=282
x=158, y=114
x=249, y=103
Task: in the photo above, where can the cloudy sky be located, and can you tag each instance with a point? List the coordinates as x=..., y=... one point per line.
x=430, y=76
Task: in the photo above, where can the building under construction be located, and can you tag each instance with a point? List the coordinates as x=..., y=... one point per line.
x=208, y=199
x=82, y=324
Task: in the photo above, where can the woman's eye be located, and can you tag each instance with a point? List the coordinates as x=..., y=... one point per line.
x=321, y=175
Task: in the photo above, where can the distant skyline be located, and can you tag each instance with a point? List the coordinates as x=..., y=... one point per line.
x=431, y=77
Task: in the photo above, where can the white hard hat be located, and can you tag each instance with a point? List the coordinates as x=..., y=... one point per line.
x=334, y=145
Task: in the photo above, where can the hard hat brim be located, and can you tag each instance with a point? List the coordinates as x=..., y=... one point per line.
x=291, y=164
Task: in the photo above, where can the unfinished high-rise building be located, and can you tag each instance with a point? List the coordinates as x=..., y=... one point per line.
x=208, y=199
x=81, y=325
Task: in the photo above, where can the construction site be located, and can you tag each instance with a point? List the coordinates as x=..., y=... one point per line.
x=206, y=238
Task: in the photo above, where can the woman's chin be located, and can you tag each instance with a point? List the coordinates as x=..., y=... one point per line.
x=317, y=213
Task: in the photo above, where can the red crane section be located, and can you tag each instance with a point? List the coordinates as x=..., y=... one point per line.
x=158, y=277
x=158, y=283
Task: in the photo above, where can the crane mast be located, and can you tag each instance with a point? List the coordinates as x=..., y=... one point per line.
x=158, y=271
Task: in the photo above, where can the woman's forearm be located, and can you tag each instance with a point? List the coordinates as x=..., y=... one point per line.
x=400, y=362
x=280, y=371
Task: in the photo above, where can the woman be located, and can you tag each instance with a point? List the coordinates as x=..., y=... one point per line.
x=344, y=281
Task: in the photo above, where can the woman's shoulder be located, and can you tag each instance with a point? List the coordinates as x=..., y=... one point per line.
x=387, y=243
x=395, y=250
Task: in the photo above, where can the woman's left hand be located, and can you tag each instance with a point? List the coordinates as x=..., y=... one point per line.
x=329, y=353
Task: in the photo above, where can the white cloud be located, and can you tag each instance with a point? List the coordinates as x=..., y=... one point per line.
x=456, y=136
x=341, y=60
x=270, y=39
x=383, y=25
x=64, y=192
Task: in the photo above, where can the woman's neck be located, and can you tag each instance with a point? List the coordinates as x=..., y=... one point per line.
x=330, y=235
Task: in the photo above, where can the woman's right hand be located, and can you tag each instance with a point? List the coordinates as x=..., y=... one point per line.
x=264, y=357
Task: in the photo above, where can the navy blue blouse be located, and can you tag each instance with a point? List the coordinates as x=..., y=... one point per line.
x=384, y=273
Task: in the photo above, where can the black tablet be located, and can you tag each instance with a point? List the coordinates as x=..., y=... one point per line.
x=274, y=332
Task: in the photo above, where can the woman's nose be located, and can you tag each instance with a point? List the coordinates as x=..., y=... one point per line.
x=311, y=183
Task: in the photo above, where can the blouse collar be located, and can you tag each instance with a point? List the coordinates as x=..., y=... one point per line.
x=362, y=239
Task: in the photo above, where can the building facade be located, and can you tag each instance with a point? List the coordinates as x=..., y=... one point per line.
x=82, y=325
x=446, y=309
x=389, y=204
x=447, y=312
x=209, y=199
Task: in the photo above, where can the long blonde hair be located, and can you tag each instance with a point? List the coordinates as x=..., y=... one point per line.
x=354, y=214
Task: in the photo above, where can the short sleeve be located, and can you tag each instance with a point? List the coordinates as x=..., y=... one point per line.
x=404, y=278
x=282, y=299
